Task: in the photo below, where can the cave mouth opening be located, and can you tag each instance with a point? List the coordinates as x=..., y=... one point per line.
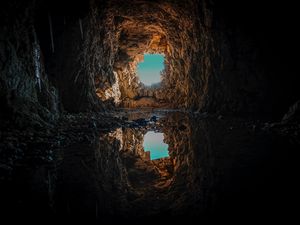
x=150, y=69
x=155, y=145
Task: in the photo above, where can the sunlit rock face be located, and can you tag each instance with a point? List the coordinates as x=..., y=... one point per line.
x=211, y=63
x=152, y=27
x=96, y=66
x=203, y=69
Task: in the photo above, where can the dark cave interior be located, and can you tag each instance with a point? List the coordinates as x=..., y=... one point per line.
x=71, y=99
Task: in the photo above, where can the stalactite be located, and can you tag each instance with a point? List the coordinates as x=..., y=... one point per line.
x=37, y=63
x=80, y=26
x=51, y=32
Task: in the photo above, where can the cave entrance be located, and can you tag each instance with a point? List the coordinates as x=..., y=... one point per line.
x=154, y=143
x=150, y=69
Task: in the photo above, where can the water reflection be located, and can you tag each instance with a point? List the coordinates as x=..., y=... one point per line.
x=154, y=144
x=211, y=170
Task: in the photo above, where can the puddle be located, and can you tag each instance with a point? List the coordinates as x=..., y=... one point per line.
x=204, y=166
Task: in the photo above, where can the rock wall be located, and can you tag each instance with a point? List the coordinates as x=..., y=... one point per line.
x=226, y=73
x=213, y=61
x=209, y=67
x=26, y=95
x=81, y=63
x=152, y=27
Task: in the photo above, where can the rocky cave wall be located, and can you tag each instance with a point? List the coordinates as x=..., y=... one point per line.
x=152, y=27
x=211, y=63
x=205, y=68
x=81, y=65
x=26, y=96
x=214, y=62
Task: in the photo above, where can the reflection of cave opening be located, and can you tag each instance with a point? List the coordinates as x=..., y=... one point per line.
x=149, y=70
x=155, y=145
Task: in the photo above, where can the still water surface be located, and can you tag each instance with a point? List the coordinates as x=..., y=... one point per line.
x=198, y=168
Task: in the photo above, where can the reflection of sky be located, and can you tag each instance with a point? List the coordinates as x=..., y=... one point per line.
x=149, y=69
x=154, y=143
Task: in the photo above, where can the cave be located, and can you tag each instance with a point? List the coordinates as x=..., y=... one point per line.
x=89, y=88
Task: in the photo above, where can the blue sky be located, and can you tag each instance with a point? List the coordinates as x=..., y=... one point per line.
x=149, y=70
x=154, y=142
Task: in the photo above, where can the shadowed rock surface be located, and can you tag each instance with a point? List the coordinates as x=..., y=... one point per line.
x=73, y=113
x=217, y=59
